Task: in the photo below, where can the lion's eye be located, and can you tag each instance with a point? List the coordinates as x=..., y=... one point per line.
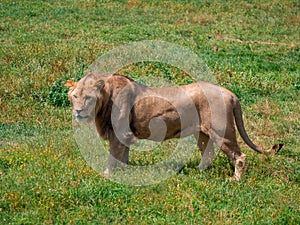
x=75, y=96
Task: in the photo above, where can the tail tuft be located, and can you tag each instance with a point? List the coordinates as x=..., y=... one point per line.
x=274, y=150
x=279, y=148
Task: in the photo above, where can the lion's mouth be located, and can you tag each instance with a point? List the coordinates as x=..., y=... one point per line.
x=79, y=118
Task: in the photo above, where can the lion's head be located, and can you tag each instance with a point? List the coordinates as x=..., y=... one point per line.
x=85, y=97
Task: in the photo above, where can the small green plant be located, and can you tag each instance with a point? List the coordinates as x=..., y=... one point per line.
x=58, y=94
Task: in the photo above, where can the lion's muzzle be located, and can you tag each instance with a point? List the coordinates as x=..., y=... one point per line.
x=79, y=116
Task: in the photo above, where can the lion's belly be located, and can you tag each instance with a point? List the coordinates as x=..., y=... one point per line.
x=160, y=120
x=157, y=128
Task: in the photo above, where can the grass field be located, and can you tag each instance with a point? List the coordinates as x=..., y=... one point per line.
x=43, y=176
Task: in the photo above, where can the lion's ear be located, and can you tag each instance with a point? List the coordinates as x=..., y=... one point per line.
x=99, y=84
x=71, y=85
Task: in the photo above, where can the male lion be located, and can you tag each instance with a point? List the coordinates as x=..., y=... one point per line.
x=124, y=111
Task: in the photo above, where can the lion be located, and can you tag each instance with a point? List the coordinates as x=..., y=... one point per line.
x=125, y=111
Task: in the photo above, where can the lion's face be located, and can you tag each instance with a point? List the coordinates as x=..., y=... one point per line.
x=83, y=104
x=83, y=96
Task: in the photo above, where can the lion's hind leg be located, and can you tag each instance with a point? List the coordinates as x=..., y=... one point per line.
x=233, y=151
x=239, y=166
x=206, y=147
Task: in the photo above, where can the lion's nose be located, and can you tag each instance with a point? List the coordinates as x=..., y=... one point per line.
x=78, y=111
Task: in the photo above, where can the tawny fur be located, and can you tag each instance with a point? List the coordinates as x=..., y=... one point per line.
x=202, y=109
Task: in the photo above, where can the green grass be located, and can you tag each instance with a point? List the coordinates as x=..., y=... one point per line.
x=44, y=179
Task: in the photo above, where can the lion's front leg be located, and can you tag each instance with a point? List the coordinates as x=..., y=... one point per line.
x=118, y=155
x=124, y=133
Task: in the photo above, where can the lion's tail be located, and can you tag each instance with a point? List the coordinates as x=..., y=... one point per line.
x=241, y=128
